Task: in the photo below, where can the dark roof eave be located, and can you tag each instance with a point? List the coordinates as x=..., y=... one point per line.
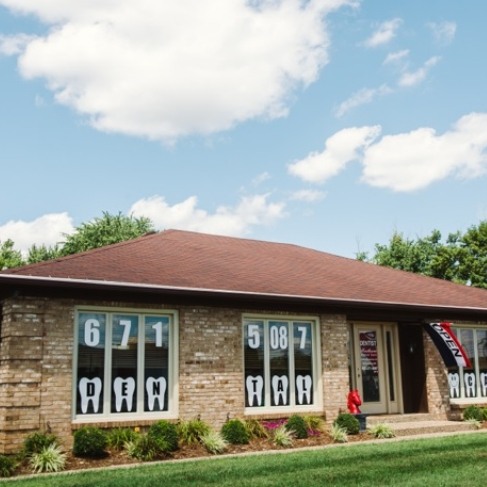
x=141, y=288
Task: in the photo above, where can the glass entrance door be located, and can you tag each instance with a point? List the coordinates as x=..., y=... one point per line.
x=376, y=364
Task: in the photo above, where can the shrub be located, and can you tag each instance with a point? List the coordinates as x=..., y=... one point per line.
x=338, y=434
x=349, y=422
x=283, y=436
x=144, y=447
x=49, y=459
x=90, y=442
x=165, y=434
x=214, y=442
x=382, y=430
x=314, y=423
x=7, y=466
x=117, y=437
x=190, y=432
x=473, y=412
x=297, y=425
x=484, y=414
x=476, y=424
x=255, y=429
x=36, y=442
x=234, y=432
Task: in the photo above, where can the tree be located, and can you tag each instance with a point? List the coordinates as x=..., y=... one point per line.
x=461, y=258
x=108, y=229
x=41, y=253
x=472, y=266
x=8, y=256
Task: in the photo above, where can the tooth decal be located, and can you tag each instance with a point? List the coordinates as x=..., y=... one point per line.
x=254, y=389
x=454, y=383
x=90, y=390
x=279, y=387
x=124, y=391
x=469, y=379
x=483, y=383
x=156, y=390
x=303, y=385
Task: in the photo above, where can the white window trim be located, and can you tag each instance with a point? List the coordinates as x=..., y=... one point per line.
x=317, y=405
x=173, y=361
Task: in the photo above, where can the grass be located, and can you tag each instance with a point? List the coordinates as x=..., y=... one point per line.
x=458, y=461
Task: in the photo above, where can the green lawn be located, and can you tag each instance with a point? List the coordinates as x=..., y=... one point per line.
x=451, y=461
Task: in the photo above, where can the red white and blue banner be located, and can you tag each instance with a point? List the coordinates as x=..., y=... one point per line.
x=448, y=345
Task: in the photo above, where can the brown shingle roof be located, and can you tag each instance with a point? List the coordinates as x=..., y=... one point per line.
x=180, y=259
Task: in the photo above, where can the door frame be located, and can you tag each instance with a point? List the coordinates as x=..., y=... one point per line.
x=389, y=367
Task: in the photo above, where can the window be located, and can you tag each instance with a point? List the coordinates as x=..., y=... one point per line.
x=280, y=363
x=125, y=363
x=470, y=384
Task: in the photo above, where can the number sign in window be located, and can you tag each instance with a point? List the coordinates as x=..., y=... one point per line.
x=278, y=358
x=123, y=363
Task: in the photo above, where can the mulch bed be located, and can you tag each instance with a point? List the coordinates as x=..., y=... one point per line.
x=118, y=458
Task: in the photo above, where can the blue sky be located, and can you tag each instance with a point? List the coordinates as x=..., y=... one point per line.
x=327, y=123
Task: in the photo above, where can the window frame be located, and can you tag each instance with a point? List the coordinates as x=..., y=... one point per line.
x=172, y=392
x=317, y=398
x=463, y=399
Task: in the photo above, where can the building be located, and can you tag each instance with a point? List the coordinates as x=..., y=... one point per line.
x=179, y=324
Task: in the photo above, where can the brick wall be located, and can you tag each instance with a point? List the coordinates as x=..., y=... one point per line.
x=211, y=364
x=36, y=363
x=36, y=366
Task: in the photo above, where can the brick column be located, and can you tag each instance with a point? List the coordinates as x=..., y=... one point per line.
x=20, y=372
x=334, y=350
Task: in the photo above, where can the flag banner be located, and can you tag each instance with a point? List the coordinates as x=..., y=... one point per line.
x=448, y=345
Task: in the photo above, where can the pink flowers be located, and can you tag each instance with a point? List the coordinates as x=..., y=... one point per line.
x=274, y=424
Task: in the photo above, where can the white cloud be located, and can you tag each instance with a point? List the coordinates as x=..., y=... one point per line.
x=384, y=33
x=162, y=70
x=396, y=57
x=340, y=149
x=403, y=162
x=46, y=230
x=414, y=160
x=250, y=211
x=261, y=178
x=443, y=32
x=361, y=97
x=13, y=45
x=308, y=195
x=414, y=78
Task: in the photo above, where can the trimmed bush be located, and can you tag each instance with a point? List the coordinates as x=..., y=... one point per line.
x=89, y=442
x=36, y=442
x=349, y=422
x=165, y=435
x=7, y=466
x=297, y=425
x=234, y=432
